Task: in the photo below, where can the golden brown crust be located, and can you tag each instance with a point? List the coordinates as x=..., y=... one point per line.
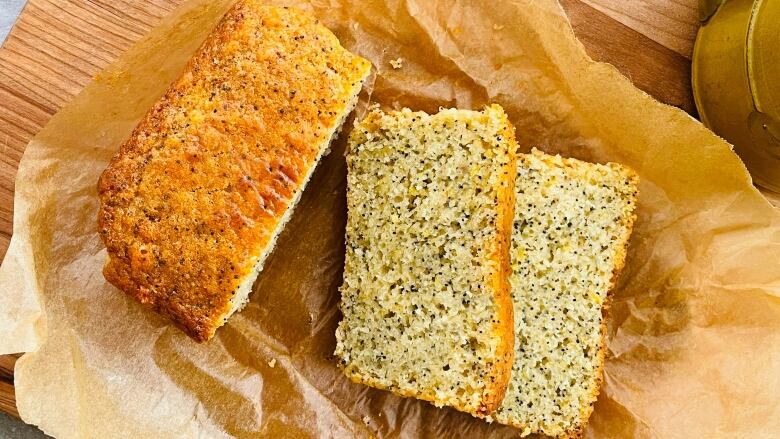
x=196, y=193
x=502, y=371
x=421, y=394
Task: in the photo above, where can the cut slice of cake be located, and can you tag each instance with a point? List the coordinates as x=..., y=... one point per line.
x=571, y=229
x=427, y=311
x=193, y=202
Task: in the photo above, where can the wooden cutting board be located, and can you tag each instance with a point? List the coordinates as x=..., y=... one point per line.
x=57, y=46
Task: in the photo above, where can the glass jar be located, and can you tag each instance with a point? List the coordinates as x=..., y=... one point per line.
x=736, y=81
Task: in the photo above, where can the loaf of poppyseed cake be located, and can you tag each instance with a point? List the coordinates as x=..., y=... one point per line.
x=192, y=204
x=572, y=223
x=426, y=302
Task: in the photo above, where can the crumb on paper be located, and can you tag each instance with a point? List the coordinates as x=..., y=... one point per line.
x=397, y=63
x=498, y=26
x=272, y=363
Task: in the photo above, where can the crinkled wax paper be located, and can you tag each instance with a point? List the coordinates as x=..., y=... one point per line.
x=694, y=339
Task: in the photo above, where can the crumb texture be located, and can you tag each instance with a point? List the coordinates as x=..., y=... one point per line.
x=425, y=311
x=571, y=227
x=200, y=189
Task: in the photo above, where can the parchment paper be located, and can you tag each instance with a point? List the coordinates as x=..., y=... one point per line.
x=694, y=340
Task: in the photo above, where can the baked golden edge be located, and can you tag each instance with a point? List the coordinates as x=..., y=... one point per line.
x=505, y=327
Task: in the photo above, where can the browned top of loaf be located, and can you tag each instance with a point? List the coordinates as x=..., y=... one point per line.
x=195, y=194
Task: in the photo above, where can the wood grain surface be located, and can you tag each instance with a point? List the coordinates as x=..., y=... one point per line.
x=7, y=401
x=57, y=46
x=671, y=23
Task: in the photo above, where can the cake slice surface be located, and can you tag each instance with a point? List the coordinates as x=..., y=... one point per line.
x=572, y=223
x=427, y=310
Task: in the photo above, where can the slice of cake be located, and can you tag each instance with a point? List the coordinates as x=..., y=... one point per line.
x=427, y=310
x=192, y=203
x=572, y=224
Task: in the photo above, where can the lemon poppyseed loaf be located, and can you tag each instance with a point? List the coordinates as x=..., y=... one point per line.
x=572, y=224
x=194, y=200
x=427, y=311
